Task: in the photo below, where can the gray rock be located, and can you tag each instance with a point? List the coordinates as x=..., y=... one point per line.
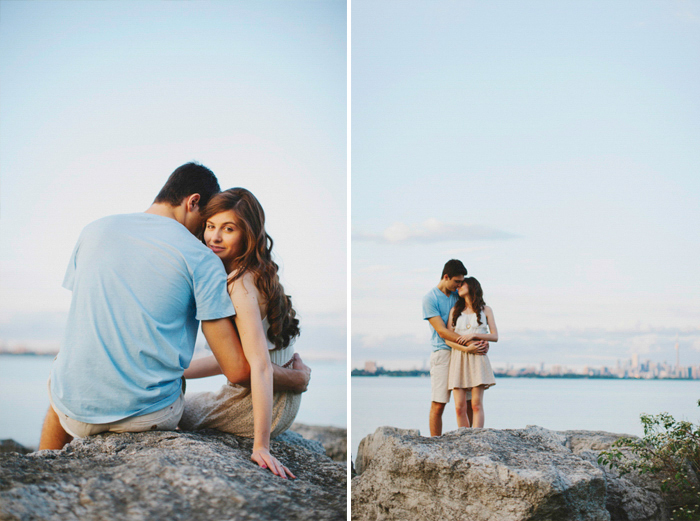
x=333, y=439
x=475, y=474
x=294, y=438
x=205, y=475
x=483, y=474
x=632, y=497
x=13, y=446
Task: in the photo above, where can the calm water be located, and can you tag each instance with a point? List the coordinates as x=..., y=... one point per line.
x=24, y=399
x=558, y=404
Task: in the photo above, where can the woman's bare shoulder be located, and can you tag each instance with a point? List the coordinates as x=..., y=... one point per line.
x=243, y=285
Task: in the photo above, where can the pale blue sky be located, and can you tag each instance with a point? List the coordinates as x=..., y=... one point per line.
x=101, y=101
x=573, y=128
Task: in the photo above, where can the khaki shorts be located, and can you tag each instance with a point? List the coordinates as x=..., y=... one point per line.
x=439, y=370
x=165, y=419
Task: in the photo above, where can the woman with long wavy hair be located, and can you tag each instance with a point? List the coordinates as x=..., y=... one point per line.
x=469, y=372
x=235, y=231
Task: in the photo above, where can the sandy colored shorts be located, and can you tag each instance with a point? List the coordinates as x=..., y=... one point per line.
x=165, y=419
x=439, y=372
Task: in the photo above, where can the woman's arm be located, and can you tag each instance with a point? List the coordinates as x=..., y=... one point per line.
x=493, y=335
x=246, y=300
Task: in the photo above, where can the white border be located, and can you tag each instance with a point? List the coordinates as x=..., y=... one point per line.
x=348, y=323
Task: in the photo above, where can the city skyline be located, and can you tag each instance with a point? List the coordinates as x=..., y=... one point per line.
x=631, y=369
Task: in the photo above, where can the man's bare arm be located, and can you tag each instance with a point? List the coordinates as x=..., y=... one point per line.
x=296, y=379
x=226, y=345
x=443, y=331
x=475, y=347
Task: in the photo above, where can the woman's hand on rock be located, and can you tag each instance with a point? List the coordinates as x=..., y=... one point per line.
x=267, y=461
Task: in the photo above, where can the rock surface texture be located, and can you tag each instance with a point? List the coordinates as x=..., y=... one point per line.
x=205, y=475
x=505, y=475
x=13, y=446
x=333, y=439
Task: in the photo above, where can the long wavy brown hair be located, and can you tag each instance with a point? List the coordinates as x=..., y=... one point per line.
x=256, y=257
x=476, y=296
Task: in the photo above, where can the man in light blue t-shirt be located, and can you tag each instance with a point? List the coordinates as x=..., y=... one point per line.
x=141, y=284
x=436, y=310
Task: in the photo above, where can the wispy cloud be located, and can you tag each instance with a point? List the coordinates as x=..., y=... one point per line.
x=432, y=231
x=375, y=269
x=463, y=251
x=685, y=12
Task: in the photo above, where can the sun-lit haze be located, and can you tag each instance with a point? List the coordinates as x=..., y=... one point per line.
x=101, y=101
x=553, y=147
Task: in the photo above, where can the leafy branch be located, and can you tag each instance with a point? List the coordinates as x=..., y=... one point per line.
x=670, y=451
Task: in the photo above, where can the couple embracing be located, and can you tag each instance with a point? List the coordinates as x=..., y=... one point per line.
x=141, y=285
x=462, y=326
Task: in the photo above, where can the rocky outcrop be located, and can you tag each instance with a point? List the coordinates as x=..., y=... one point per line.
x=333, y=439
x=487, y=474
x=205, y=475
x=13, y=446
x=630, y=497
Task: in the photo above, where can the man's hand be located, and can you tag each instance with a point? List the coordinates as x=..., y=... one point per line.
x=482, y=347
x=294, y=378
x=298, y=365
x=465, y=339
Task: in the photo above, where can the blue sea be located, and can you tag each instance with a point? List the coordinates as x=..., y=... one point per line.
x=557, y=404
x=24, y=399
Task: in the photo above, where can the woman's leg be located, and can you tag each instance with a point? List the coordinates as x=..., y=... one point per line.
x=460, y=396
x=478, y=406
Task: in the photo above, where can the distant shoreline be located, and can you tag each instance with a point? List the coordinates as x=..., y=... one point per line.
x=28, y=354
x=359, y=373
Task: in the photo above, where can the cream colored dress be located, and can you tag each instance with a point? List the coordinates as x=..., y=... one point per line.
x=230, y=409
x=468, y=370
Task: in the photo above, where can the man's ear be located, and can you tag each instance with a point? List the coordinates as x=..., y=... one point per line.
x=192, y=202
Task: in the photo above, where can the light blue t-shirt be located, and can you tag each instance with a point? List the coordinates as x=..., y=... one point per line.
x=437, y=304
x=140, y=283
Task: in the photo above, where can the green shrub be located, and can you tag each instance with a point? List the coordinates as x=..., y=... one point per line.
x=670, y=451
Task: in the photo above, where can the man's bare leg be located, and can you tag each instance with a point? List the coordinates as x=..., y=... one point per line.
x=436, y=410
x=53, y=435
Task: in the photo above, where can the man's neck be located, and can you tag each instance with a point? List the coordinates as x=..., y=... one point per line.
x=442, y=286
x=166, y=210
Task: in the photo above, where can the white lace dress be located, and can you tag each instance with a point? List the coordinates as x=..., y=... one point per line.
x=230, y=409
x=468, y=370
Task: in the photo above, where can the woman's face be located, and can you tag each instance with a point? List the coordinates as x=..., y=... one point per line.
x=223, y=236
x=463, y=290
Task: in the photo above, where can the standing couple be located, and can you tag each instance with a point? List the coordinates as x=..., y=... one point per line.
x=141, y=284
x=462, y=326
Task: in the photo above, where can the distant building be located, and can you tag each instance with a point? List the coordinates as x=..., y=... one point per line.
x=371, y=367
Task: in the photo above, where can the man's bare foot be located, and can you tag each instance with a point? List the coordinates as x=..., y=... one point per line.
x=298, y=365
